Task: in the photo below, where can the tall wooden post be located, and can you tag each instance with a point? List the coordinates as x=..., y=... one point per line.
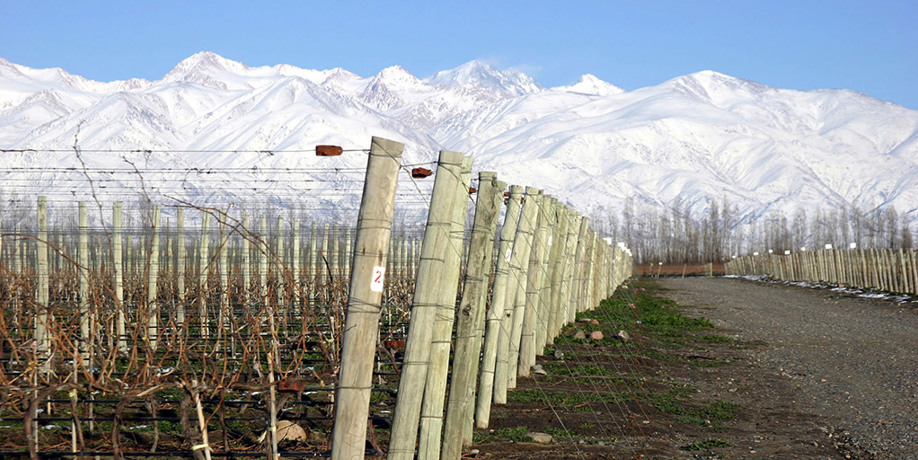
x=424, y=307
x=42, y=337
x=471, y=316
x=86, y=321
x=153, y=261
x=435, y=389
x=502, y=362
x=534, y=274
x=497, y=329
x=118, y=273
x=203, y=267
x=374, y=227
x=180, y=266
x=522, y=251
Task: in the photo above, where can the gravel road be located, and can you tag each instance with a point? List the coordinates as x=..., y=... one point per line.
x=853, y=361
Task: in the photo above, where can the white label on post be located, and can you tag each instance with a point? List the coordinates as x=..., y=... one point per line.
x=376, y=282
x=549, y=240
x=508, y=254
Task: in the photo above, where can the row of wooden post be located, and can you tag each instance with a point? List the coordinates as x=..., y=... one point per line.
x=549, y=266
x=892, y=270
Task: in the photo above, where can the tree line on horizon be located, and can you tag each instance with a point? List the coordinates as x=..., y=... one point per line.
x=673, y=235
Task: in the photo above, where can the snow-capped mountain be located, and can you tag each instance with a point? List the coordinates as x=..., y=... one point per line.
x=700, y=137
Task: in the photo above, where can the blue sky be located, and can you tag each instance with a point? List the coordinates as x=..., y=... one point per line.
x=868, y=46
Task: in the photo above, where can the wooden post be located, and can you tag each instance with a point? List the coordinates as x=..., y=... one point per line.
x=322, y=265
x=224, y=318
x=86, y=321
x=533, y=281
x=556, y=256
x=494, y=331
x=180, y=266
x=374, y=227
x=441, y=340
x=42, y=338
x=203, y=267
x=522, y=251
x=471, y=316
x=424, y=307
x=296, y=303
x=118, y=273
x=153, y=261
x=246, y=262
x=280, y=262
x=545, y=316
x=313, y=278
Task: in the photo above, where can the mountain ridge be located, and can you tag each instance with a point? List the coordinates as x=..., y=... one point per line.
x=693, y=138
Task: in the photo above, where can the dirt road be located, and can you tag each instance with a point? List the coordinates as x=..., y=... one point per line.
x=852, y=361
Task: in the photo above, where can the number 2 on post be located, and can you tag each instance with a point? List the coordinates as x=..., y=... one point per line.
x=376, y=281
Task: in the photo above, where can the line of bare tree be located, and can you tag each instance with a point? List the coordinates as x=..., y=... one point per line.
x=674, y=235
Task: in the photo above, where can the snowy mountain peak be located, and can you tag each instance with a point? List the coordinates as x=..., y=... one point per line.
x=713, y=86
x=397, y=77
x=590, y=84
x=507, y=83
x=207, y=69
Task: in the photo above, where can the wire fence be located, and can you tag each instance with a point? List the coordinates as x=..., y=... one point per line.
x=158, y=327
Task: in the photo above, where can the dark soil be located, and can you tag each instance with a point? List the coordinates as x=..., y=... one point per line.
x=682, y=388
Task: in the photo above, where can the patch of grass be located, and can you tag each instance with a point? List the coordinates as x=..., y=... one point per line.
x=516, y=434
x=578, y=402
x=714, y=339
x=561, y=433
x=707, y=444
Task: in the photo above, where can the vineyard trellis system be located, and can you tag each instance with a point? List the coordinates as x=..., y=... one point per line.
x=891, y=270
x=222, y=334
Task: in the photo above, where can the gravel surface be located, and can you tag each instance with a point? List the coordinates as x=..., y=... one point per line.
x=853, y=361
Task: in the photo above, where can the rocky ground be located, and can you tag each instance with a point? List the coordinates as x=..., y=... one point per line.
x=772, y=371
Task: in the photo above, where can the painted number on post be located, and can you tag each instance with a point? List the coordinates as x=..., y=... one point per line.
x=376, y=282
x=508, y=254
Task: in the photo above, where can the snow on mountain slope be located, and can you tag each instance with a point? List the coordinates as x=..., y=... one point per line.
x=698, y=137
x=589, y=84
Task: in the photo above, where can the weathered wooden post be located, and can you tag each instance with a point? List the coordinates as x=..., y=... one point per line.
x=118, y=273
x=496, y=314
x=296, y=302
x=152, y=305
x=180, y=266
x=502, y=369
x=549, y=205
x=86, y=320
x=424, y=307
x=556, y=256
x=521, y=254
x=246, y=263
x=280, y=262
x=313, y=276
x=203, y=266
x=471, y=316
x=224, y=318
x=533, y=291
x=42, y=337
x=438, y=367
x=578, y=270
x=374, y=228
